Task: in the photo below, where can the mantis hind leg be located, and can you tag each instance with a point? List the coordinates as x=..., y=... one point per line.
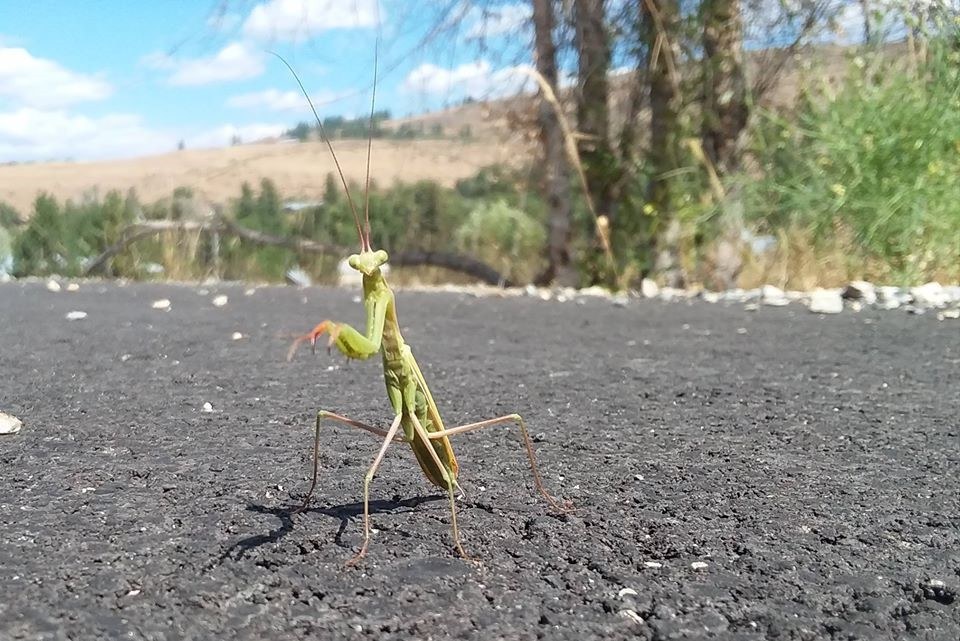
x=321, y=415
x=527, y=443
x=447, y=477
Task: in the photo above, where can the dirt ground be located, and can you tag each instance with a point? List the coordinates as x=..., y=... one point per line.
x=736, y=475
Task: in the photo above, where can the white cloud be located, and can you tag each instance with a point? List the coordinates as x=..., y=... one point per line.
x=270, y=99
x=224, y=135
x=298, y=20
x=497, y=21
x=38, y=134
x=284, y=101
x=36, y=82
x=236, y=61
x=473, y=79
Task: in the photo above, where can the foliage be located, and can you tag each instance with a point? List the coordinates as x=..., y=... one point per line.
x=503, y=236
x=877, y=162
x=61, y=239
x=341, y=127
x=9, y=216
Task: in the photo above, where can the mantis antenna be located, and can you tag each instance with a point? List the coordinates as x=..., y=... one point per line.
x=364, y=240
x=373, y=102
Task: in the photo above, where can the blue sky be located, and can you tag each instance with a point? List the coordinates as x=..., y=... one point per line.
x=93, y=79
x=106, y=79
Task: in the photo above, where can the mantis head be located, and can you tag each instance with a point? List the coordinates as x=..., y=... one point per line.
x=368, y=261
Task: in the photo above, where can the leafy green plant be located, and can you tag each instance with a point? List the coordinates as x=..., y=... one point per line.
x=879, y=162
x=504, y=236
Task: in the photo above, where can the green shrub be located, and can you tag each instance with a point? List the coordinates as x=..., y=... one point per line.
x=878, y=162
x=505, y=237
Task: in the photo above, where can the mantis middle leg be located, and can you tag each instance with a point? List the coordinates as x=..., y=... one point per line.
x=321, y=415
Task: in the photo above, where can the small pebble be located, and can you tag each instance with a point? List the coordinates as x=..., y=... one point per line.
x=699, y=565
x=53, y=285
x=626, y=592
x=220, y=301
x=72, y=287
x=633, y=616
x=9, y=424
x=76, y=315
x=236, y=336
x=163, y=303
x=207, y=407
x=653, y=564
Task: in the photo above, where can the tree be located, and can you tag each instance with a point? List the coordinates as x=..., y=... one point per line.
x=557, y=174
x=593, y=112
x=660, y=22
x=725, y=108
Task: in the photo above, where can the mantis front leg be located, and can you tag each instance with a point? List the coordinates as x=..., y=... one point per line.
x=345, y=338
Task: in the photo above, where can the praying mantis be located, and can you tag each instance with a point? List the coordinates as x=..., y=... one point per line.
x=416, y=419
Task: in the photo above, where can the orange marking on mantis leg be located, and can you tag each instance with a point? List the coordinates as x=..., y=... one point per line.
x=313, y=335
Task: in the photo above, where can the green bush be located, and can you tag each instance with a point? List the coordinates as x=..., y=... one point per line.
x=505, y=237
x=63, y=240
x=879, y=162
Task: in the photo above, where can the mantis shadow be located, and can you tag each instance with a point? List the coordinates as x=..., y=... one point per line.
x=343, y=512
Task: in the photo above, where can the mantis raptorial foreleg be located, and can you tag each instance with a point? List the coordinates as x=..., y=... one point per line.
x=528, y=445
x=321, y=415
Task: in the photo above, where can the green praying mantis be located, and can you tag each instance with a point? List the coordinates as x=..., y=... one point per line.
x=416, y=419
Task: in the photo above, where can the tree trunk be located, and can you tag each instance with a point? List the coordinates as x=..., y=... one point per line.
x=725, y=108
x=557, y=173
x=660, y=31
x=600, y=164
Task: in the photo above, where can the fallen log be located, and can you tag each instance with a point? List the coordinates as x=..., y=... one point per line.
x=226, y=227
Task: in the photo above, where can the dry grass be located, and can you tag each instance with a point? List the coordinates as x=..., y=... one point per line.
x=799, y=263
x=216, y=174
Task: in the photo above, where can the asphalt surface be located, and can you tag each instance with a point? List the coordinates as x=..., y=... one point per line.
x=752, y=475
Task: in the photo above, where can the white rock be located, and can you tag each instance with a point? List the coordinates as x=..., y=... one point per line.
x=207, y=407
x=76, y=315
x=236, y=336
x=649, y=288
x=299, y=278
x=930, y=295
x=949, y=313
x=220, y=301
x=53, y=285
x=163, y=303
x=632, y=615
x=594, y=290
x=626, y=592
x=250, y=292
x=710, y=297
x=9, y=424
x=620, y=300
x=72, y=287
x=699, y=565
x=825, y=301
x=653, y=564
x=774, y=296
x=862, y=291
